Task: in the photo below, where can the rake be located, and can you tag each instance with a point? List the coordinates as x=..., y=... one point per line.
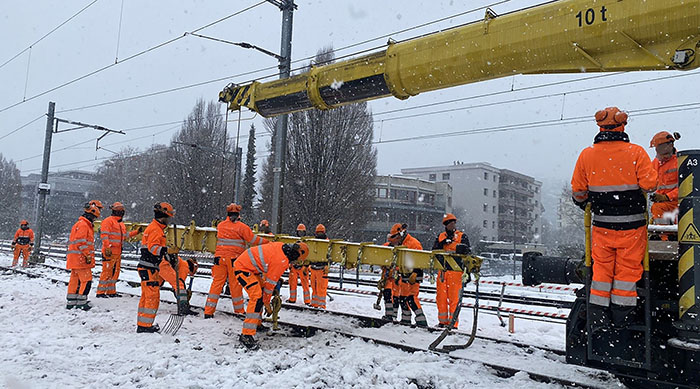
x=175, y=320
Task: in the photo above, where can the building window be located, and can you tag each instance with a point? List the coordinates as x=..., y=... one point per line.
x=486, y=207
x=494, y=178
x=381, y=193
x=449, y=201
x=445, y=176
x=537, y=230
x=432, y=176
x=494, y=194
x=486, y=223
x=486, y=191
x=493, y=224
x=486, y=175
x=493, y=209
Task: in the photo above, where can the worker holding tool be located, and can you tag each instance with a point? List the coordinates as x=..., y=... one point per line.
x=449, y=282
x=113, y=234
x=258, y=270
x=156, y=265
x=409, y=282
x=613, y=175
x=319, y=275
x=233, y=237
x=664, y=209
x=22, y=242
x=80, y=258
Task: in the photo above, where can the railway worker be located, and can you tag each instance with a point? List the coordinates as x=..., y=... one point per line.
x=233, y=237
x=613, y=175
x=265, y=227
x=80, y=258
x=156, y=265
x=449, y=282
x=299, y=270
x=258, y=269
x=22, y=242
x=664, y=209
x=389, y=284
x=318, y=272
x=301, y=230
x=113, y=234
x=408, y=283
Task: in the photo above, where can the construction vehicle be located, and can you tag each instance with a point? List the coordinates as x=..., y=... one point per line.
x=565, y=36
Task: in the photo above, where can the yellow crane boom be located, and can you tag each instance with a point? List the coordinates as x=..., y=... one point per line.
x=565, y=36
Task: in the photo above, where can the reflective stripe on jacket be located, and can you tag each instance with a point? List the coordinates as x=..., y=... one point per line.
x=24, y=237
x=152, y=244
x=668, y=177
x=81, y=245
x=113, y=234
x=267, y=261
x=233, y=238
x=613, y=175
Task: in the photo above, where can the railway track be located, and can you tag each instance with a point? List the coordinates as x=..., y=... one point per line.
x=304, y=321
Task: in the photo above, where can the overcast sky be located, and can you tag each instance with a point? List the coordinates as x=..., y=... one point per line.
x=89, y=42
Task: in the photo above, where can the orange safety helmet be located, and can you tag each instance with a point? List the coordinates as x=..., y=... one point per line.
x=301, y=227
x=448, y=218
x=664, y=137
x=303, y=250
x=264, y=222
x=165, y=208
x=23, y=222
x=320, y=228
x=117, y=206
x=92, y=209
x=395, y=229
x=611, y=119
x=235, y=208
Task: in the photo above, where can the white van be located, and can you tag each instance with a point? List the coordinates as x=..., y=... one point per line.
x=489, y=255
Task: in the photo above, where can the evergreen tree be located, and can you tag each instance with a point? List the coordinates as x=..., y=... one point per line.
x=248, y=195
x=10, y=193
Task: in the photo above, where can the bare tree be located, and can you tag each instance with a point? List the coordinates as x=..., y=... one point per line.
x=10, y=193
x=570, y=228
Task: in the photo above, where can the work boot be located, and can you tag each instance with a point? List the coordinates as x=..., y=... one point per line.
x=85, y=307
x=262, y=328
x=70, y=306
x=184, y=309
x=208, y=316
x=290, y=301
x=622, y=316
x=600, y=317
x=152, y=329
x=101, y=296
x=388, y=318
x=115, y=295
x=249, y=342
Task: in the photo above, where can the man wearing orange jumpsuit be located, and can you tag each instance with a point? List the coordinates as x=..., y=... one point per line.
x=233, y=237
x=409, y=283
x=22, y=242
x=613, y=175
x=299, y=271
x=113, y=234
x=449, y=282
x=80, y=258
x=392, y=283
x=258, y=269
x=318, y=272
x=664, y=209
x=156, y=265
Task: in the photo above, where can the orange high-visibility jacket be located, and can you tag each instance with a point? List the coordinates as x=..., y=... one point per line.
x=24, y=237
x=233, y=238
x=451, y=247
x=81, y=245
x=412, y=289
x=113, y=234
x=411, y=243
x=268, y=261
x=612, y=174
x=668, y=177
x=152, y=244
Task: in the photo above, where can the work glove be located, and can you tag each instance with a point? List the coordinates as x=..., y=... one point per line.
x=412, y=279
x=268, y=310
x=13, y=245
x=88, y=259
x=108, y=253
x=173, y=250
x=581, y=204
x=172, y=259
x=659, y=198
x=140, y=229
x=326, y=270
x=31, y=244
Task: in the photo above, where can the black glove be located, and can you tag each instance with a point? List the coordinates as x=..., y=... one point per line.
x=581, y=204
x=173, y=259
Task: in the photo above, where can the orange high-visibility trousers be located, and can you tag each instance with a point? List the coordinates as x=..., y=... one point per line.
x=447, y=295
x=110, y=274
x=617, y=265
x=253, y=313
x=78, y=287
x=319, y=287
x=664, y=213
x=302, y=275
x=151, y=281
x=220, y=273
x=21, y=249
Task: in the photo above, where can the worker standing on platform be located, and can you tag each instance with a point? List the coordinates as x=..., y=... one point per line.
x=265, y=227
x=113, y=234
x=664, y=209
x=233, y=237
x=319, y=275
x=613, y=175
x=408, y=283
x=301, y=230
x=80, y=258
x=258, y=269
x=22, y=242
x=157, y=263
x=449, y=282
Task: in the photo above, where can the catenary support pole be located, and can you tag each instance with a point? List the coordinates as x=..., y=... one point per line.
x=43, y=185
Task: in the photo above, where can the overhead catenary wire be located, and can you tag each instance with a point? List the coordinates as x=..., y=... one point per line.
x=22, y=126
x=47, y=34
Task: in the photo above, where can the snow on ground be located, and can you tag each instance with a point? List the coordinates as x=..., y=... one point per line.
x=46, y=345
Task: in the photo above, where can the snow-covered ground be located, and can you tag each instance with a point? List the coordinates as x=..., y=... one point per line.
x=48, y=346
